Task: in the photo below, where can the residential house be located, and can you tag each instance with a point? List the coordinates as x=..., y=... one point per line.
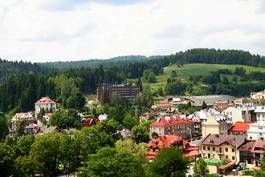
x=260, y=113
x=213, y=126
x=222, y=146
x=256, y=131
x=258, y=96
x=242, y=101
x=169, y=125
x=239, y=128
x=201, y=116
x=26, y=117
x=46, y=104
x=252, y=152
x=167, y=141
x=233, y=113
x=221, y=105
x=221, y=151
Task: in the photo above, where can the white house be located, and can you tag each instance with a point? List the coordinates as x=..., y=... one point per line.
x=204, y=114
x=234, y=114
x=45, y=103
x=260, y=113
x=258, y=95
x=256, y=131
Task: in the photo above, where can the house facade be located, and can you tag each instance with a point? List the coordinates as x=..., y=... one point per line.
x=213, y=126
x=27, y=117
x=252, y=152
x=256, y=131
x=258, y=95
x=260, y=113
x=222, y=147
x=172, y=125
x=45, y=103
x=233, y=113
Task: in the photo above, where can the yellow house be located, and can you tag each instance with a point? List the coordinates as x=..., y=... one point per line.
x=222, y=147
x=258, y=96
x=213, y=126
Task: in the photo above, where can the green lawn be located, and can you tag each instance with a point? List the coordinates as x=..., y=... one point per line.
x=195, y=70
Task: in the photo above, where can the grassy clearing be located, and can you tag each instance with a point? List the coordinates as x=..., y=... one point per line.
x=195, y=70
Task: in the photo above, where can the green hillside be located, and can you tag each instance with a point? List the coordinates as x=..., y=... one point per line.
x=186, y=71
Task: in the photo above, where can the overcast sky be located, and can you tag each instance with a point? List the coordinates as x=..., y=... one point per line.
x=52, y=30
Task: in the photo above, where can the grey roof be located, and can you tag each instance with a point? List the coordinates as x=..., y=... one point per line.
x=208, y=99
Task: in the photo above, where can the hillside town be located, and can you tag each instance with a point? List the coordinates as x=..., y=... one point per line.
x=227, y=132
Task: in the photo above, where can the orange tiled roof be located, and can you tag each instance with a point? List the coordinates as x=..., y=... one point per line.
x=45, y=100
x=240, y=127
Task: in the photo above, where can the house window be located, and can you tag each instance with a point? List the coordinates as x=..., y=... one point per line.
x=203, y=148
x=233, y=150
x=226, y=149
x=220, y=150
x=208, y=148
x=226, y=156
x=233, y=157
x=209, y=156
x=213, y=148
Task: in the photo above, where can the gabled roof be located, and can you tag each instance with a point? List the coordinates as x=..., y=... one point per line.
x=240, y=127
x=219, y=139
x=170, y=121
x=247, y=146
x=258, y=147
x=45, y=100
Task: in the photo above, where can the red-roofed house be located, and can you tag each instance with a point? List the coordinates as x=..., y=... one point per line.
x=167, y=141
x=172, y=126
x=239, y=128
x=89, y=122
x=45, y=103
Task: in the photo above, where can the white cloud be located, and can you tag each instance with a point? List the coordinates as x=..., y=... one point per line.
x=42, y=30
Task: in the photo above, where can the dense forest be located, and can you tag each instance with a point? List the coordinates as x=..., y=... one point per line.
x=121, y=60
x=190, y=56
x=26, y=82
x=11, y=69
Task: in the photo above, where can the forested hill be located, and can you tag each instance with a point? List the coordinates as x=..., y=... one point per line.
x=213, y=56
x=9, y=69
x=120, y=60
x=199, y=55
x=30, y=83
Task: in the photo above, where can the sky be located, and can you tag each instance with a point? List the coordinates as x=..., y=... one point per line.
x=58, y=30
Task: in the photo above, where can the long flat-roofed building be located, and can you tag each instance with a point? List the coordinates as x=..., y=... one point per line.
x=127, y=91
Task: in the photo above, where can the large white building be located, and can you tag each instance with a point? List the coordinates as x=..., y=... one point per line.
x=256, y=131
x=245, y=113
x=45, y=103
x=260, y=113
x=234, y=114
